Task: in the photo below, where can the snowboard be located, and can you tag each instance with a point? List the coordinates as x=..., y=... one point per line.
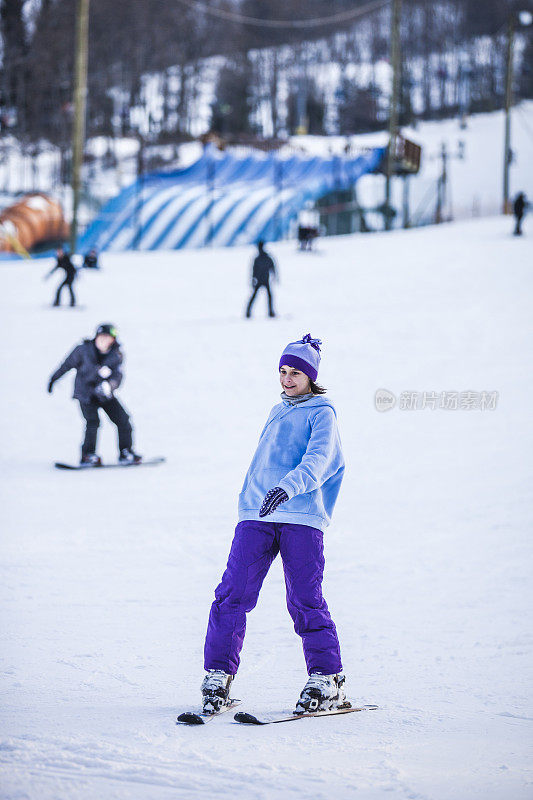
x=191, y=718
x=249, y=719
x=146, y=462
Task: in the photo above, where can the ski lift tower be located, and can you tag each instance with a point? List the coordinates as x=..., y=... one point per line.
x=405, y=157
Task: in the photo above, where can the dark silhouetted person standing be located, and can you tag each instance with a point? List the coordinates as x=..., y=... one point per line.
x=519, y=207
x=263, y=266
x=64, y=263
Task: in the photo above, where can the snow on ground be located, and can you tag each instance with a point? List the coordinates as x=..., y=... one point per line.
x=107, y=577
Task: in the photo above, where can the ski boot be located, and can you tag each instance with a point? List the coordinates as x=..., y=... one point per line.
x=90, y=460
x=127, y=456
x=322, y=693
x=215, y=690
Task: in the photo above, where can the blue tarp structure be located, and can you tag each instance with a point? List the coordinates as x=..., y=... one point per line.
x=222, y=200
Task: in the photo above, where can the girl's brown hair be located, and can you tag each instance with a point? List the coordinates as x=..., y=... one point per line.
x=316, y=388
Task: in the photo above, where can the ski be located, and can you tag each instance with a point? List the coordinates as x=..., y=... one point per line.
x=249, y=719
x=191, y=718
x=146, y=462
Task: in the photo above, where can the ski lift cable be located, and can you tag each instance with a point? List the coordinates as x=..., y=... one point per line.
x=234, y=16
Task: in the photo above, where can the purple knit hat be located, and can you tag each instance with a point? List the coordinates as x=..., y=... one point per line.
x=303, y=355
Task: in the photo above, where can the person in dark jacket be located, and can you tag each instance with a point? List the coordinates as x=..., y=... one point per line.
x=64, y=263
x=91, y=259
x=519, y=207
x=263, y=267
x=98, y=365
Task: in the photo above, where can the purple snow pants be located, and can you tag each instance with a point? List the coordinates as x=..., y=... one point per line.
x=254, y=548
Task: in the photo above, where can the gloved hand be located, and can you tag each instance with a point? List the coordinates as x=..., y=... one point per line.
x=272, y=500
x=104, y=372
x=50, y=386
x=254, y=283
x=103, y=391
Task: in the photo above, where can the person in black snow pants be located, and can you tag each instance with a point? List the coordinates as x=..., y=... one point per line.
x=519, y=207
x=98, y=365
x=262, y=267
x=64, y=263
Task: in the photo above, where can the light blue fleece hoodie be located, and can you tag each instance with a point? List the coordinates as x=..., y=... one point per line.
x=300, y=451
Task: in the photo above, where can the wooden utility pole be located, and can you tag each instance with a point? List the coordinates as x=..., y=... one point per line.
x=139, y=194
x=506, y=209
x=80, y=107
x=394, y=99
x=441, y=186
x=405, y=203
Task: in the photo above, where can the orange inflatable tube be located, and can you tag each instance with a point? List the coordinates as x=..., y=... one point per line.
x=33, y=219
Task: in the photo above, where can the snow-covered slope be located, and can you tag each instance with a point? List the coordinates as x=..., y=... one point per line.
x=474, y=166
x=107, y=577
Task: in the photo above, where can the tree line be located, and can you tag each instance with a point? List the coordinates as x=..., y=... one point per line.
x=155, y=65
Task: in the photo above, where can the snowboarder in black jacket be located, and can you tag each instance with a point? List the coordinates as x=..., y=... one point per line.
x=262, y=268
x=519, y=207
x=64, y=263
x=98, y=365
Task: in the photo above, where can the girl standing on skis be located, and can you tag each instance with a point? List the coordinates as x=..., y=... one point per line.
x=285, y=504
